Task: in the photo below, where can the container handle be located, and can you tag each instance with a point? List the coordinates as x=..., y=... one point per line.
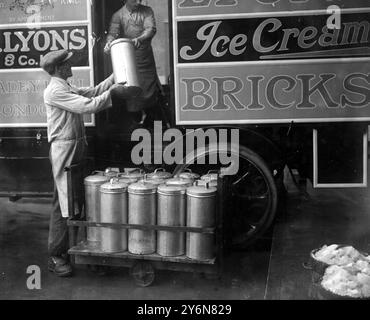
x=213, y=171
x=113, y=180
x=97, y=172
x=159, y=170
x=187, y=170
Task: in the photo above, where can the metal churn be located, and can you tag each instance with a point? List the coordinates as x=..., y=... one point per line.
x=92, y=204
x=211, y=175
x=188, y=174
x=137, y=174
x=155, y=181
x=201, y=213
x=159, y=173
x=113, y=199
x=124, y=64
x=180, y=182
x=142, y=204
x=171, y=211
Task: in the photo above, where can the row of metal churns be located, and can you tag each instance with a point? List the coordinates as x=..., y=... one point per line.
x=153, y=199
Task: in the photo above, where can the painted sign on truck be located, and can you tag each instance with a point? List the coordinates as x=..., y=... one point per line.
x=268, y=66
x=28, y=30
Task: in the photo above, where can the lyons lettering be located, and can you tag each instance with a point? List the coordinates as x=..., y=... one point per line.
x=26, y=40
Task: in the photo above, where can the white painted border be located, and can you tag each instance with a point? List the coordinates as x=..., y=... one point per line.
x=339, y=185
x=267, y=14
x=176, y=65
x=91, y=61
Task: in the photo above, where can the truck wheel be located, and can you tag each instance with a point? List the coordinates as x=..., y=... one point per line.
x=253, y=199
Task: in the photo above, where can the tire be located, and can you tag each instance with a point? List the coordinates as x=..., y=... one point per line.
x=257, y=198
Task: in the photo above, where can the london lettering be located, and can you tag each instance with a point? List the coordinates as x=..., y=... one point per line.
x=279, y=92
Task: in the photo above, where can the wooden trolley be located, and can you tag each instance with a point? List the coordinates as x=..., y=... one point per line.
x=142, y=267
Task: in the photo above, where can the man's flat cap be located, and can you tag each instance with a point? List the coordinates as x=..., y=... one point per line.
x=49, y=61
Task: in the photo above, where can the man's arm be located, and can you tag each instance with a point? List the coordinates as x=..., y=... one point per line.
x=114, y=30
x=150, y=28
x=76, y=103
x=103, y=86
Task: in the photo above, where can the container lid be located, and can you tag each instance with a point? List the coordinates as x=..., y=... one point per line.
x=188, y=175
x=211, y=175
x=121, y=40
x=136, y=174
x=96, y=179
x=171, y=190
x=212, y=183
x=142, y=187
x=179, y=182
x=114, y=186
x=201, y=191
x=127, y=180
x=160, y=173
x=156, y=182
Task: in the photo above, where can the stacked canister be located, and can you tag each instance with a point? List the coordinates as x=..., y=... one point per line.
x=92, y=204
x=201, y=213
x=113, y=204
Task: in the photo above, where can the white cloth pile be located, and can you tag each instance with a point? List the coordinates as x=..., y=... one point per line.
x=348, y=273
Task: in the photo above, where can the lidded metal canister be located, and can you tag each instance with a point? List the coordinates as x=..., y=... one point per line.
x=211, y=183
x=201, y=213
x=159, y=173
x=114, y=204
x=171, y=211
x=126, y=180
x=179, y=182
x=142, y=204
x=155, y=181
x=211, y=175
x=124, y=62
x=92, y=204
x=133, y=174
x=188, y=174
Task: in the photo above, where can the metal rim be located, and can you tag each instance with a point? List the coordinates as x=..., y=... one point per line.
x=254, y=198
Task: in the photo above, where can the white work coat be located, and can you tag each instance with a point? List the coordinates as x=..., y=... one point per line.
x=65, y=106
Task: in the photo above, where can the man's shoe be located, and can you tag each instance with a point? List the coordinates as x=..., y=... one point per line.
x=60, y=266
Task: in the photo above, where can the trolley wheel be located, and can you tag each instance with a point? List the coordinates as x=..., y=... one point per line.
x=254, y=196
x=143, y=273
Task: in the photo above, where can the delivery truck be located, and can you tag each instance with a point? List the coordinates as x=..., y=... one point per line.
x=289, y=77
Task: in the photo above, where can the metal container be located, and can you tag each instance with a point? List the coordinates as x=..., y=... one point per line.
x=142, y=204
x=188, y=174
x=211, y=183
x=124, y=62
x=126, y=180
x=155, y=181
x=133, y=174
x=113, y=199
x=171, y=211
x=185, y=183
x=211, y=175
x=201, y=212
x=160, y=173
x=92, y=204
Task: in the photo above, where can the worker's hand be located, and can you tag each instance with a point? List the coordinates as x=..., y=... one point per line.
x=136, y=42
x=107, y=48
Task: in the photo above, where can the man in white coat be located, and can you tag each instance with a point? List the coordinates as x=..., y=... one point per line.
x=65, y=107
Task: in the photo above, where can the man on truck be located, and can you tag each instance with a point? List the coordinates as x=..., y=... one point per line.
x=137, y=22
x=65, y=107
